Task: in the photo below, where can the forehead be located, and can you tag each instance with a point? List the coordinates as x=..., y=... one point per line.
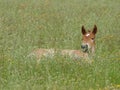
x=89, y=34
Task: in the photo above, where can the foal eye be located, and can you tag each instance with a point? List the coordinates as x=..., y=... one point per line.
x=92, y=38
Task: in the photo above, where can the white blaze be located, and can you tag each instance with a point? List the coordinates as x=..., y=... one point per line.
x=87, y=34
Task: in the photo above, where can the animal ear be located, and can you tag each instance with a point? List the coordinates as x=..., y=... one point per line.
x=83, y=30
x=94, y=29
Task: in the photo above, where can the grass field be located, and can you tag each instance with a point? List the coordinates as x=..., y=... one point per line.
x=26, y=25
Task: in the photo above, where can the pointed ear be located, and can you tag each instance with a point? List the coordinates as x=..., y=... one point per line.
x=94, y=29
x=83, y=30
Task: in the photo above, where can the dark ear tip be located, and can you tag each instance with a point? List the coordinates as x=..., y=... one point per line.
x=95, y=29
x=82, y=26
x=83, y=30
x=95, y=26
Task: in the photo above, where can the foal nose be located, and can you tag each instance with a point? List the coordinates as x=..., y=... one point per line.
x=84, y=46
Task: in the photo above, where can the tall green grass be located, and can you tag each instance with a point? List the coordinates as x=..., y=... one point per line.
x=26, y=25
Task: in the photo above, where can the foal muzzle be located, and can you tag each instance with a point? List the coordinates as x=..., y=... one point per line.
x=84, y=48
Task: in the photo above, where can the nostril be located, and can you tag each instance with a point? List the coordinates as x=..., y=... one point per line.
x=82, y=46
x=86, y=46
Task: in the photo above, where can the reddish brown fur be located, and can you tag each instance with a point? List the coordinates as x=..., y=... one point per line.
x=88, y=38
x=87, y=43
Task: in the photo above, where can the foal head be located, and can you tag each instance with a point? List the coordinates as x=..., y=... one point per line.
x=88, y=39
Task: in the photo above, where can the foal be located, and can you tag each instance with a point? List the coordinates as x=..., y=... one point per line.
x=87, y=46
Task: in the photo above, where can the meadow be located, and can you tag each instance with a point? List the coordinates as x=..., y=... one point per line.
x=26, y=25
